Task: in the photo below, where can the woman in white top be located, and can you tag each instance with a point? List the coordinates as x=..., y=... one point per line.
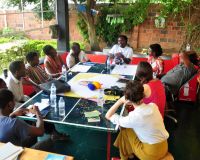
x=142, y=133
x=121, y=52
x=75, y=56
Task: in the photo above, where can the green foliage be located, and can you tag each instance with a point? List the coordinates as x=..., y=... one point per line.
x=10, y=35
x=47, y=5
x=4, y=40
x=134, y=15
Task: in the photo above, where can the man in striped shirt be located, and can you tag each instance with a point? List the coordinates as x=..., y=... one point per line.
x=34, y=71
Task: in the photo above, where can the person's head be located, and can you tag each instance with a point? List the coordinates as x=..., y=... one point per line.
x=17, y=68
x=32, y=58
x=134, y=92
x=49, y=51
x=7, y=102
x=76, y=48
x=155, y=50
x=3, y=84
x=122, y=41
x=144, y=72
x=188, y=57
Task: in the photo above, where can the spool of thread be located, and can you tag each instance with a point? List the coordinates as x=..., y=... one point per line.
x=91, y=86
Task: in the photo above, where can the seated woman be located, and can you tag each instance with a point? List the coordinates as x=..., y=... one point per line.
x=53, y=62
x=34, y=71
x=155, y=51
x=153, y=88
x=121, y=52
x=143, y=133
x=75, y=56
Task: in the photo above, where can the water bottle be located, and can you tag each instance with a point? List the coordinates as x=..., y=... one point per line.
x=186, y=89
x=64, y=72
x=188, y=47
x=61, y=106
x=100, y=98
x=53, y=96
x=108, y=66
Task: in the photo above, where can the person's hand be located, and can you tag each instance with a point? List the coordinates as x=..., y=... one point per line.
x=19, y=112
x=119, y=55
x=35, y=110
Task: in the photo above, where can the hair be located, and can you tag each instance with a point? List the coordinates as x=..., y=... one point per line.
x=30, y=56
x=1, y=80
x=47, y=49
x=193, y=57
x=134, y=91
x=124, y=37
x=156, y=48
x=144, y=71
x=75, y=44
x=15, y=66
x=5, y=97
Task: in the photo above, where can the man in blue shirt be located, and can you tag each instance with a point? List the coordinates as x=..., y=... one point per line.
x=15, y=130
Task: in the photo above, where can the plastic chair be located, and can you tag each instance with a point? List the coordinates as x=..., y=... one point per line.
x=97, y=58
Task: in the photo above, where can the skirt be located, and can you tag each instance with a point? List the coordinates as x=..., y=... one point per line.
x=129, y=144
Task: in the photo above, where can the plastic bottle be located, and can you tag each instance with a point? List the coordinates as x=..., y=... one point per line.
x=64, y=72
x=53, y=96
x=100, y=98
x=61, y=106
x=186, y=89
x=108, y=66
x=188, y=47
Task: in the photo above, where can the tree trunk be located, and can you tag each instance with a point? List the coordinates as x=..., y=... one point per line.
x=94, y=43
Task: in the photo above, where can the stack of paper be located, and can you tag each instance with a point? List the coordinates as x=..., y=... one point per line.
x=9, y=151
x=93, y=116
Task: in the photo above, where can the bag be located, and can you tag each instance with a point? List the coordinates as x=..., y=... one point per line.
x=61, y=86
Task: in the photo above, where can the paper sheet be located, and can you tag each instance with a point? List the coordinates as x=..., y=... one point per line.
x=80, y=68
x=78, y=90
x=124, y=70
x=9, y=151
x=41, y=106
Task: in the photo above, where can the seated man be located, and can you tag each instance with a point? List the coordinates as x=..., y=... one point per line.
x=180, y=74
x=12, y=129
x=34, y=71
x=3, y=84
x=14, y=81
x=121, y=52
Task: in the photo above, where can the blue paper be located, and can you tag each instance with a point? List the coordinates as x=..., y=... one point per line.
x=54, y=157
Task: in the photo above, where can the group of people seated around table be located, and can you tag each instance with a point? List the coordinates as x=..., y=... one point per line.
x=142, y=131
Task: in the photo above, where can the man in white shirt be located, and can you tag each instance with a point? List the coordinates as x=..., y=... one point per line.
x=14, y=81
x=143, y=133
x=121, y=52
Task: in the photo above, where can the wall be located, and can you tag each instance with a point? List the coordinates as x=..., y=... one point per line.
x=141, y=36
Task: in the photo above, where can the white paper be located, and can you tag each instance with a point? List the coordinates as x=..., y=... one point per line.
x=104, y=79
x=125, y=70
x=9, y=151
x=41, y=106
x=80, y=68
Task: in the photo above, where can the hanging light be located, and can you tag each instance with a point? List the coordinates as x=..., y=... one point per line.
x=114, y=19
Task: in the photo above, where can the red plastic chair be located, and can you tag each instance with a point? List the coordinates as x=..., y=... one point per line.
x=137, y=60
x=28, y=90
x=168, y=65
x=64, y=56
x=97, y=58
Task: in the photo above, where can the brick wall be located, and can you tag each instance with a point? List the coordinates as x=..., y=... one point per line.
x=140, y=36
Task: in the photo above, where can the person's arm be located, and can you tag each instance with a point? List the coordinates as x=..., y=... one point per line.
x=127, y=59
x=19, y=112
x=70, y=61
x=114, y=108
x=37, y=130
x=147, y=91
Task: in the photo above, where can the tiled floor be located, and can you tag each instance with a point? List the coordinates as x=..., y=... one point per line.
x=184, y=141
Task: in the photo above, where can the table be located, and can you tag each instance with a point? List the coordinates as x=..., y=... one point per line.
x=35, y=154
x=75, y=107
